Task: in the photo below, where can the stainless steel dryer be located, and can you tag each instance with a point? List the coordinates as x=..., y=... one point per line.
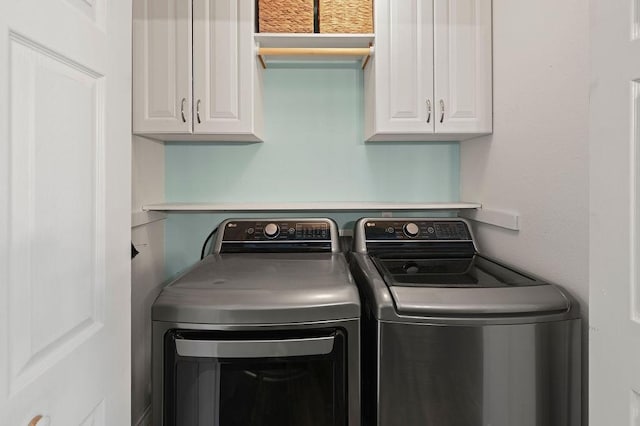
x=452, y=338
x=264, y=331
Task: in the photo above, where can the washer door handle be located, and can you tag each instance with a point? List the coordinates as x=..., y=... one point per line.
x=254, y=348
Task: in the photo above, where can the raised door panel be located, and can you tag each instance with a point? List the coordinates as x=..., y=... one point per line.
x=57, y=199
x=463, y=67
x=162, y=95
x=404, y=66
x=224, y=81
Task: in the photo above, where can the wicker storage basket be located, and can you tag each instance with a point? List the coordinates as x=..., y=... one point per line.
x=346, y=16
x=285, y=16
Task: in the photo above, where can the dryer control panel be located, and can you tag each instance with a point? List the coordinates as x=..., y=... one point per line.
x=260, y=235
x=272, y=230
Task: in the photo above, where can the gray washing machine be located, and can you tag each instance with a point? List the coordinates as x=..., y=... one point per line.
x=452, y=338
x=264, y=331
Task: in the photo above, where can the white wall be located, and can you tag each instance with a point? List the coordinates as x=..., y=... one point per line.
x=536, y=161
x=147, y=269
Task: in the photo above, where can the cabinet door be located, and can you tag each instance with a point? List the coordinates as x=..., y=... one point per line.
x=402, y=70
x=161, y=66
x=462, y=52
x=225, y=75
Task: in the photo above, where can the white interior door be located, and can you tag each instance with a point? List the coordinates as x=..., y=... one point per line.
x=614, y=296
x=65, y=134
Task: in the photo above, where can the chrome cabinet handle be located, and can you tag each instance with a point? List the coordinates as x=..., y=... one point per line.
x=198, y=111
x=428, y=110
x=441, y=110
x=184, y=119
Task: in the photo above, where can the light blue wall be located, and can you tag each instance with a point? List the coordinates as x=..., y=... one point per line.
x=313, y=150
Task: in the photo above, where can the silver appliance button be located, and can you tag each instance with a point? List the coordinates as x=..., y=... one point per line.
x=271, y=230
x=411, y=229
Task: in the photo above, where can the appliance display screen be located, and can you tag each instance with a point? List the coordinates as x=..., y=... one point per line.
x=312, y=230
x=450, y=231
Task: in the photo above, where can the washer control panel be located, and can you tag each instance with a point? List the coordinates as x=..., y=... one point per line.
x=416, y=229
x=276, y=231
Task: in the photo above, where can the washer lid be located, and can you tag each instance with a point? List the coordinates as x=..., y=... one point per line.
x=465, y=286
x=542, y=299
x=474, y=271
x=255, y=288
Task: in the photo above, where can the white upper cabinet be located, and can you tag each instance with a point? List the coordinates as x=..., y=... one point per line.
x=463, y=71
x=227, y=78
x=162, y=66
x=212, y=94
x=430, y=78
x=399, y=79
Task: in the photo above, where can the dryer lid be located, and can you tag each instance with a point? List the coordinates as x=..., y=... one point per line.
x=269, y=288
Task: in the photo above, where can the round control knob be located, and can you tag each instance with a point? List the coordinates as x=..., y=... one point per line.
x=411, y=230
x=271, y=230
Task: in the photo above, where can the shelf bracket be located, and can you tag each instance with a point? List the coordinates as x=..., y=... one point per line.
x=365, y=60
x=146, y=217
x=260, y=57
x=500, y=218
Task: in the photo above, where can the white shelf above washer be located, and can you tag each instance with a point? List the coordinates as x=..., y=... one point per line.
x=337, y=206
x=473, y=211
